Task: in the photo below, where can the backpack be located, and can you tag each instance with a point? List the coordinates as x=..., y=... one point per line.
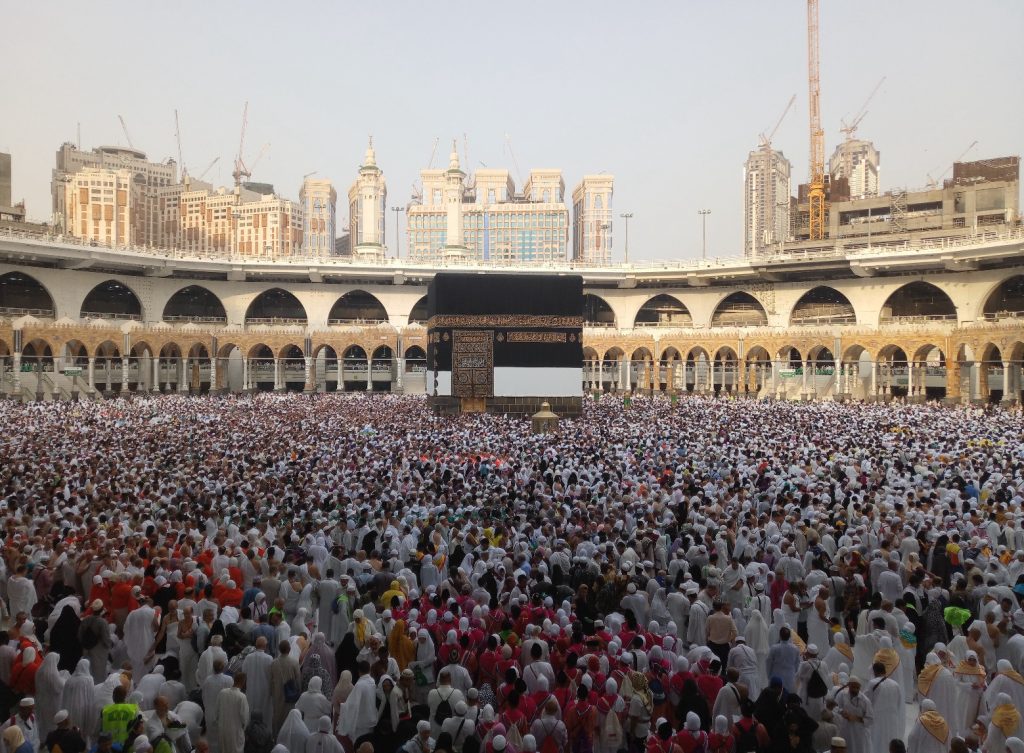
x=611, y=732
x=444, y=708
x=816, y=687
x=550, y=744
x=291, y=691
x=657, y=689
x=746, y=739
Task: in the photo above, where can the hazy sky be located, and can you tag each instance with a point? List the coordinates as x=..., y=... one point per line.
x=668, y=96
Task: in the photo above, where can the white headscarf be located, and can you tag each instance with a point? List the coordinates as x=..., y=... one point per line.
x=294, y=733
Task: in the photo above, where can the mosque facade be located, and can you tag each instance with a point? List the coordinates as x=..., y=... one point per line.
x=937, y=320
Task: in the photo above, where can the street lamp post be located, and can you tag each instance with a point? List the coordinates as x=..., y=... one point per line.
x=627, y=216
x=704, y=232
x=398, y=242
x=605, y=227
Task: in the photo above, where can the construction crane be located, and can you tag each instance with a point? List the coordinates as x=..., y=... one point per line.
x=259, y=156
x=209, y=167
x=934, y=182
x=241, y=171
x=849, y=129
x=515, y=162
x=816, y=187
x=177, y=136
x=124, y=127
x=766, y=141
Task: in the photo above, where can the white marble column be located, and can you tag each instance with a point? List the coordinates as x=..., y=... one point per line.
x=124, y=375
x=91, y=371
x=183, y=375
x=1007, y=383
x=340, y=387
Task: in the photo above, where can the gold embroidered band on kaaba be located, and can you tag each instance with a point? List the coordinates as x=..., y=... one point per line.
x=505, y=320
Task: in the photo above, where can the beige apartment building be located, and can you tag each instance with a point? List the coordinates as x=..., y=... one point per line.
x=100, y=205
x=116, y=197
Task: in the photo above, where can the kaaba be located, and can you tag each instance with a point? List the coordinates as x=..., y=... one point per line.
x=505, y=343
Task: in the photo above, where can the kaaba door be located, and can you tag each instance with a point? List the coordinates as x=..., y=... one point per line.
x=473, y=363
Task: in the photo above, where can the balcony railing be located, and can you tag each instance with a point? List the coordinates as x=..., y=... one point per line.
x=839, y=248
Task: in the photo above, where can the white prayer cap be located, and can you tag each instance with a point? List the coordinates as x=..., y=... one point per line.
x=498, y=742
x=141, y=744
x=838, y=742
x=62, y=716
x=812, y=649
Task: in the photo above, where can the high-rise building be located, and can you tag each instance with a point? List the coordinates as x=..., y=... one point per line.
x=100, y=205
x=857, y=161
x=268, y=228
x=319, y=201
x=150, y=177
x=484, y=218
x=592, y=219
x=367, y=209
x=766, y=187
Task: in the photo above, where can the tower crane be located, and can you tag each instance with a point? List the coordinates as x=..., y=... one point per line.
x=124, y=127
x=241, y=171
x=849, y=129
x=934, y=182
x=209, y=167
x=816, y=187
x=766, y=141
x=177, y=136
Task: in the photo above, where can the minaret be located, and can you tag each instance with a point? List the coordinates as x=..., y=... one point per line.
x=454, y=186
x=367, y=197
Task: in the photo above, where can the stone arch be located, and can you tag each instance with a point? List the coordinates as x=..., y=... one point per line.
x=739, y=309
x=357, y=307
x=614, y=353
x=195, y=303
x=1005, y=300
x=597, y=312
x=822, y=306
x=107, y=349
x=75, y=353
x=290, y=350
x=725, y=369
x=757, y=368
x=37, y=349
x=790, y=356
x=276, y=306
x=821, y=356
x=917, y=301
x=418, y=314
x=22, y=294
x=929, y=353
x=697, y=368
x=663, y=311
x=416, y=353
x=111, y=299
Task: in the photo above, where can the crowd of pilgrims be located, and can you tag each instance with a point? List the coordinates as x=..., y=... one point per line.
x=296, y=574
